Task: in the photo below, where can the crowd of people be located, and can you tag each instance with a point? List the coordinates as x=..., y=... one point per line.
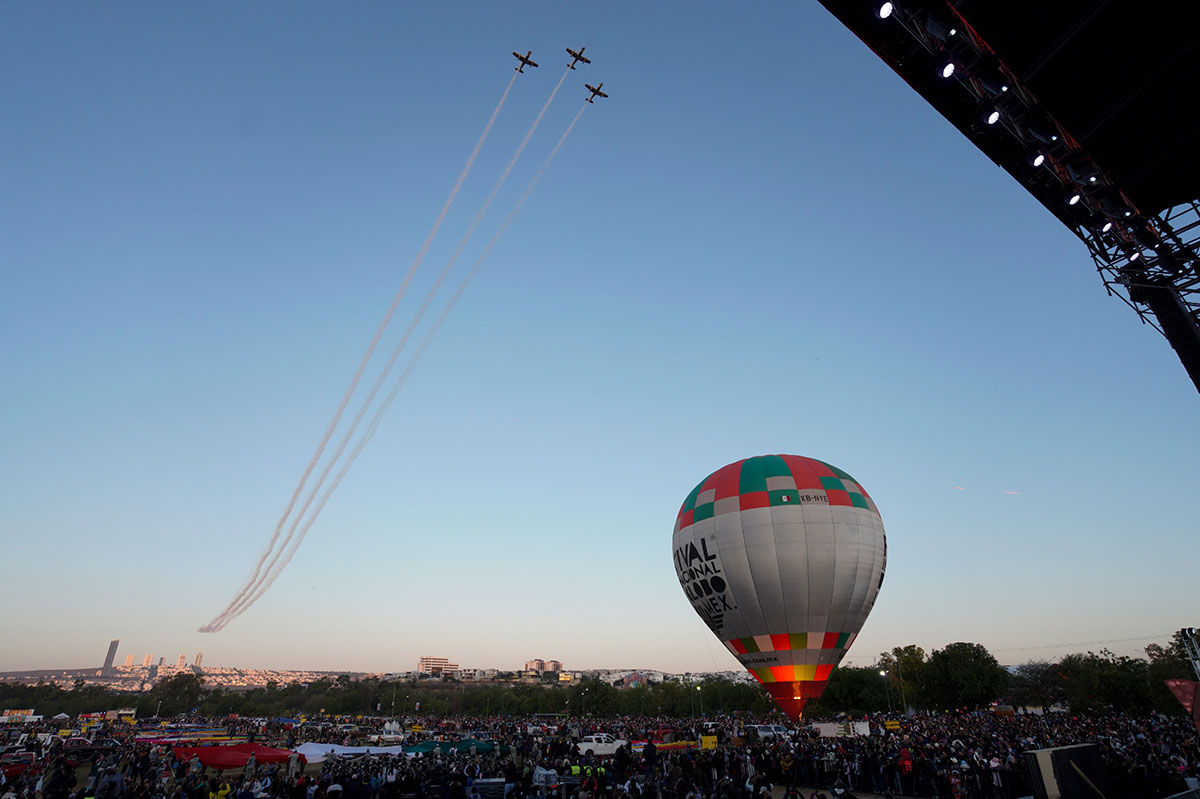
x=948, y=756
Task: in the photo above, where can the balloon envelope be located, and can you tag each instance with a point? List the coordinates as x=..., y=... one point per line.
x=782, y=556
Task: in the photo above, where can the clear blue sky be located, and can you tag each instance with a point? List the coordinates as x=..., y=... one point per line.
x=762, y=242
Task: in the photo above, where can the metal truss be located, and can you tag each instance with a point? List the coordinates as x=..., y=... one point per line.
x=1191, y=646
x=1150, y=261
x=1176, y=270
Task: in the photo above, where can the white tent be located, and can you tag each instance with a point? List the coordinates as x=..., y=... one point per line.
x=60, y=717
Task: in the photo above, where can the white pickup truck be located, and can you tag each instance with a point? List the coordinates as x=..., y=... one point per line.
x=773, y=731
x=601, y=745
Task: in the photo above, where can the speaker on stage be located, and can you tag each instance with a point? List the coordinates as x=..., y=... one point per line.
x=1067, y=772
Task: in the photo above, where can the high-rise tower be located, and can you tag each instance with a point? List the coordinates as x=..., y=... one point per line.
x=107, y=671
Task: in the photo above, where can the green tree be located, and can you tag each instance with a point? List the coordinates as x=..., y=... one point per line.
x=672, y=697
x=962, y=675
x=1174, y=652
x=854, y=690
x=593, y=698
x=1037, y=683
x=905, y=667
x=1103, y=682
x=179, y=693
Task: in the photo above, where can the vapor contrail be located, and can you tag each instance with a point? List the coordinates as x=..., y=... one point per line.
x=243, y=602
x=369, y=432
x=221, y=619
x=259, y=582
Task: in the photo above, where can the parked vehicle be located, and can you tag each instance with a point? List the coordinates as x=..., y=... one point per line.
x=599, y=745
x=81, y=748
x=772, y=731
x=14, y=764
x=663, y=733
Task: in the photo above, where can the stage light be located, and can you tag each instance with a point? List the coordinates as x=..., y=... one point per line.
x=946, y=67
x=938, y=29
x=993, y=86
x=1147, y=238
x=884, y=10
x=991, y=114
x=1085, y=172
x=1112, y=204
x=1106, y=231
x=1073, y=196
x=1167, y=260
x=990, y=76
x=1043, y=131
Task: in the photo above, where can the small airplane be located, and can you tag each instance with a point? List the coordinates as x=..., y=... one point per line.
x=525, y=60
x=595, y=90
x=575, y=57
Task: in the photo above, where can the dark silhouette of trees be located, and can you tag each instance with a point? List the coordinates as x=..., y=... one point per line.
x=960, y=675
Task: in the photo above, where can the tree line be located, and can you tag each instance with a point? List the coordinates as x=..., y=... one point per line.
x=958, y=676
x=966, y=676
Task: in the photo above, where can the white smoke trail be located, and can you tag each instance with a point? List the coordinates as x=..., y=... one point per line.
x=242, y=603
x=220, y=620
x=261, y=581
x=369, y=432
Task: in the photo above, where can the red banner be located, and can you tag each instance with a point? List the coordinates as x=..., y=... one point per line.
x=1186, y=692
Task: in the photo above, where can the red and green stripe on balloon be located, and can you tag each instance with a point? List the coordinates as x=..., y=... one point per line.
x=783, y=642
x=771, y=481
x=781, y=681
x=782, y=556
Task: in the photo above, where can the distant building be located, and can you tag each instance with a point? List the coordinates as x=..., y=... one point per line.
x=428, y=664
x=537, y=664
x=553, y=665
x=129, y=661
x=146, y=661
x=634, y=680
x=199, y=659
x=162, y=660
x=107, y=671
x=179, y=664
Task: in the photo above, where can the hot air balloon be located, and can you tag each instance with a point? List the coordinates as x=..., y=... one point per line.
x=782, y=556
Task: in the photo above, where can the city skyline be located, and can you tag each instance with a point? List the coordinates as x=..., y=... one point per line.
x=139, y=680
x=1007, y=656
x=744, y=249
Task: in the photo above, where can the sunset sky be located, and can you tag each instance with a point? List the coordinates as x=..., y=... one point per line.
x=762, y=242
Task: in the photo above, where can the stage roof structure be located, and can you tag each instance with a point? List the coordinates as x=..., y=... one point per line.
x=1089, y=104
